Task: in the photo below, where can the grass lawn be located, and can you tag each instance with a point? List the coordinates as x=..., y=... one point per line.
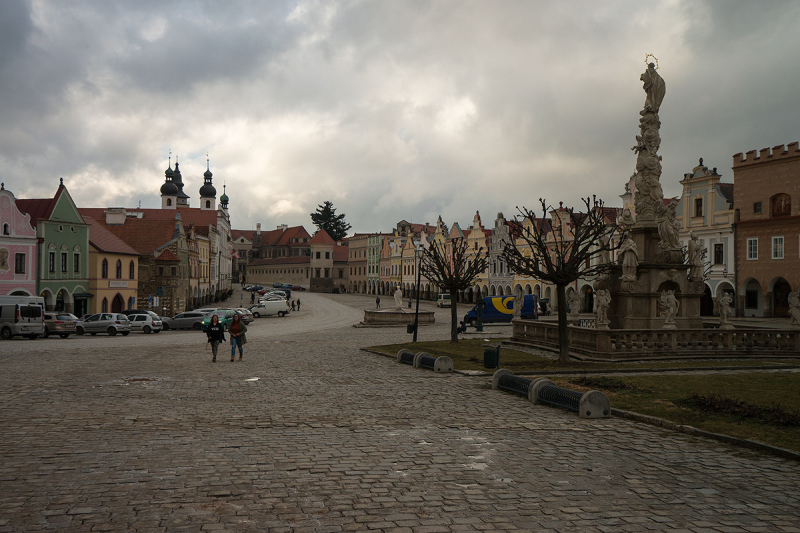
x=468, y=355
x=663, y=396
x=657, y=395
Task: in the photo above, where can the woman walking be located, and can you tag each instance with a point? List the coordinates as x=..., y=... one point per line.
x=237, y=330
x=216, y=334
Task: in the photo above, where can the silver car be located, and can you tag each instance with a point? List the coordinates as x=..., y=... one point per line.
x=111, y=323
x=187, y=320
x=145, y=322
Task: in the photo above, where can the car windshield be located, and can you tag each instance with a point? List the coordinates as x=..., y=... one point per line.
x=64, y=317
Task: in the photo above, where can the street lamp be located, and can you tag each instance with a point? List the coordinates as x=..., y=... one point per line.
x=418, y=252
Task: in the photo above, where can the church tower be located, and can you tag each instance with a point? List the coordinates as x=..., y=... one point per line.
x=183, y=198
x=169, y=191
x=208, y=194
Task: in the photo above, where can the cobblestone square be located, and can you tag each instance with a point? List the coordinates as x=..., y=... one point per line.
x=145, y=433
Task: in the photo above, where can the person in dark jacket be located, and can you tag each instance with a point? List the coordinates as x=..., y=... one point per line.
x=216, y=334
x=237, y=329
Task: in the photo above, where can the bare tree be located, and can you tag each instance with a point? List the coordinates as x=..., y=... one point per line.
x=562, y=249
x=453, y=273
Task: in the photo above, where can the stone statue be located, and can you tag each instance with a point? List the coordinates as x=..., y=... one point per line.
x=794, y=308
x=626, y=219
x=518, y=301
x=649, y=194
x=668, y=306
x=725, y=310
x=398, y=297
x=695, y=254
x=602, y=303
x=668, y=225
x=654, y=87
x=605, y=252
x=575, y=301
x=629, y=258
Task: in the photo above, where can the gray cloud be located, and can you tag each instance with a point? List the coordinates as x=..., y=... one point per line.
x=391, y=110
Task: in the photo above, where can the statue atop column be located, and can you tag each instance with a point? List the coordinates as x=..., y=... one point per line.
x=648, y=163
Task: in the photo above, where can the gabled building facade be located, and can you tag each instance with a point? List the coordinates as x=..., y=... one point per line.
x=62, y=252
x=18, y=248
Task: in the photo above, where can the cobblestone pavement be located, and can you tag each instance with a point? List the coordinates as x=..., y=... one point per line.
x=145, y=433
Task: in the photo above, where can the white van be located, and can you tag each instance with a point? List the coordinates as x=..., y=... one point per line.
x=270, y=307
x=21, y=315
x=443, y=300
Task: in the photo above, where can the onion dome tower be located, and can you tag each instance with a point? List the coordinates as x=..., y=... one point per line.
x=208, y=194
x=183, y=198
x=223, y=200
x=169, y=191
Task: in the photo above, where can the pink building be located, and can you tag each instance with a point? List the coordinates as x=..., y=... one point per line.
x=17, y=248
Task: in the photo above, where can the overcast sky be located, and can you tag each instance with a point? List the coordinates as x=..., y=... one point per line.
x=391, y=110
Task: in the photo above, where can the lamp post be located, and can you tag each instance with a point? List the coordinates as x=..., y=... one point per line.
x=418, y=252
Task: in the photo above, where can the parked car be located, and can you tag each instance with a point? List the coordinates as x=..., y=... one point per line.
x=277, y=285
x=61, y=324
x=21, y=315
x=297, y=288
x=225, y=318
x=254, y=288
x=270, y=307
x=246, y=315
x=111, y=323
x=146, y=323
x=186, y=320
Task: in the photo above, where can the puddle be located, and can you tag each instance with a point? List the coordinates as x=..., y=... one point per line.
x=251, y=379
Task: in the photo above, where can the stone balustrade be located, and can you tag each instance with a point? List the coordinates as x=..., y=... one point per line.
x=661, y=343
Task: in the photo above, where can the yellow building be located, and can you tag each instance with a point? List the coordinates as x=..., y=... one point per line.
x=113, y=271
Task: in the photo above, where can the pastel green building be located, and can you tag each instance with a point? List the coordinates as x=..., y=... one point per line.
x=62, y=251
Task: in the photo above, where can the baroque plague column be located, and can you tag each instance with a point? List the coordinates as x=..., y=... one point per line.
x=651, y=289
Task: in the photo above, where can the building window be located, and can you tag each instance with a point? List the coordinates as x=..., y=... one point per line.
x=174, y=271
x=169, y=202
x=757, y=208
x=719, y=254
x=63, y=261
x=119, y=269
x=341, y=273
x=318, y=271
x=208, y=204
x=131, y=270
x=104, y=273
x=698, y=207
x=327, y=255
x=327, y=272
x=317, y=258
x=105, y=306
x=76, y=262
x=777, y=247
x=19, y=263
x=6, y=230
x=752, y=248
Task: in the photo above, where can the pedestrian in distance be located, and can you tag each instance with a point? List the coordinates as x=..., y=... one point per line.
x=292, y=305
x=237, y=329
x=216, y=334
x=252, y=297
x=298, y=304
x=409, y=303
x=378, y=302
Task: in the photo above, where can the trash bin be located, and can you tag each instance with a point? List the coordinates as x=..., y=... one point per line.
x=491, y=357
x=410, y=328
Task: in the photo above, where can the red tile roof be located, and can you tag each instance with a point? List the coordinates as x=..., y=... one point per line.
x=141, y=234
x=105, y=241
x=340, y=254
x=167, y=255
x=322, y=237
x=39, y=208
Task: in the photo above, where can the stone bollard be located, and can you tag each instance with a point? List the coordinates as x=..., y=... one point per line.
x=418, y=356
x=533, y=394
x=497, y=374
x=594, y=404
x=403, y=352
x=443, y=364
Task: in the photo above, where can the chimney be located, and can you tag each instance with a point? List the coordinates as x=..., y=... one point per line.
x=283, y=227
x=115, y=216
x=258, y=228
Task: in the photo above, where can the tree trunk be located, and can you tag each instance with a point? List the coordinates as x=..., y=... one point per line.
x=453, y=318
x=563, y=339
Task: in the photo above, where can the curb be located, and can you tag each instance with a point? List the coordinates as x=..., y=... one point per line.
x=690, y=430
